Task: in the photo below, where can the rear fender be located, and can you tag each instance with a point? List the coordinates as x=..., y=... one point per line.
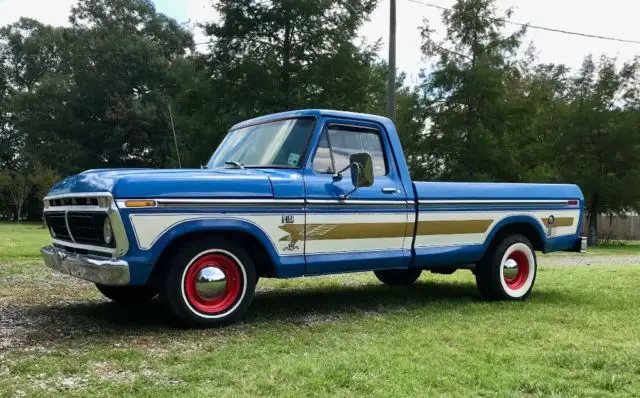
x=518, y=219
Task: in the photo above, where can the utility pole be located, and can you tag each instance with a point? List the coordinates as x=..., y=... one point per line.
x=391, y=102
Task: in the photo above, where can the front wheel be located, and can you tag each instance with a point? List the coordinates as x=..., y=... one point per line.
x=398, y=276
x=209, y=282
x=509, y=272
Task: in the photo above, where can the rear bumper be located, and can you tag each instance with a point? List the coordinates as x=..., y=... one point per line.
x=105, y=271
x=581, y=245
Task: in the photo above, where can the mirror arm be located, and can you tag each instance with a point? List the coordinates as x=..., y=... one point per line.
x=355, y=187
x=338, y=176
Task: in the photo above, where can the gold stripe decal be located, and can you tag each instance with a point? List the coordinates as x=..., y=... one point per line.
x=558, y=222
x=383, y=230
x=454, y=227
x=345, y=231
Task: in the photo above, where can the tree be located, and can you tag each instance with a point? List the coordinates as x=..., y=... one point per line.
x=96, y=93
x=27, y=53
x=468, y=93
x=270, y=56
x=600, y=145
x=5, y=183
x=42, y=178
x=19, y=190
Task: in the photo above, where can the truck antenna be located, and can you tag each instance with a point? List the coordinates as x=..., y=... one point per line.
x=175, y=138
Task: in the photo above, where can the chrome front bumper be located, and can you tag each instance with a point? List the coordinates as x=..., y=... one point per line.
x=105, y=271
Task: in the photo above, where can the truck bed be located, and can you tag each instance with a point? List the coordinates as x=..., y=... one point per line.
x=452, y=191
x=456, y=221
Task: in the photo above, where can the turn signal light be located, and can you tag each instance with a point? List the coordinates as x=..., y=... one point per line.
x=572, y=202
x=140, y=203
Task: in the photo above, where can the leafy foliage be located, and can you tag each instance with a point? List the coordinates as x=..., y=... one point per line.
x=95, y=93
x=600, y=146
x=100, y=92
x=497, y=116
x=469, y=93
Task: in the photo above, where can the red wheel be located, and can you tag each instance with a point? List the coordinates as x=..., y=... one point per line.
x=516, y=270
x=212, y=283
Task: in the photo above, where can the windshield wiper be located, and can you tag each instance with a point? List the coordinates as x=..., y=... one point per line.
x=235, y=164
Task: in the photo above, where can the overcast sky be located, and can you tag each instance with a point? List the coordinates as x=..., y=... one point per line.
x=616, y=18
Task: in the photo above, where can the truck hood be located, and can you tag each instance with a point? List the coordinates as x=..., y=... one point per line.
x=171, y=183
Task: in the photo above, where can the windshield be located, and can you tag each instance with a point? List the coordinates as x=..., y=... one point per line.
x=275, y=144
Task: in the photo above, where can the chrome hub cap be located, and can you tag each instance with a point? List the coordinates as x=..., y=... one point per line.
x=211, y=283
x=515, y=270
x=510, y=269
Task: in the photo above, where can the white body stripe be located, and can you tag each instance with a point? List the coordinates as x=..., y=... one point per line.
x=149, y=228
x=496, y=216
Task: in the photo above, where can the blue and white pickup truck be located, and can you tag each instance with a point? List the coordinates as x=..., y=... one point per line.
x=294, y=194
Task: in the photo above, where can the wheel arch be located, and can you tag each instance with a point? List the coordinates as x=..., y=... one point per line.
x=523, y=225
x=249, y=236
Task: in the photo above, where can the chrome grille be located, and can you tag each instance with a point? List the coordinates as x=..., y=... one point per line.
x=77, y=227
x=57, y=225
x=76, y=223
x=86, y=228
x=72, y=201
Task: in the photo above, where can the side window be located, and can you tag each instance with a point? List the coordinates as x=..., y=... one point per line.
x=322, y=162
x=337, y=144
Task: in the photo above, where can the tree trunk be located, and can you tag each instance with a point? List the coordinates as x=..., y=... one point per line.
x=19, y=210
x=594, y=211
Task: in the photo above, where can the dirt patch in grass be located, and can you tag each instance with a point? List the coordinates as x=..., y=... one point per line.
x=71, y=313
x=584, y=260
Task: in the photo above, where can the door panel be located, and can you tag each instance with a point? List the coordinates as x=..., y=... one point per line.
x=370, y=229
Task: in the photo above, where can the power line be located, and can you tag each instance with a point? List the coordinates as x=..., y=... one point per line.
x=555, y=30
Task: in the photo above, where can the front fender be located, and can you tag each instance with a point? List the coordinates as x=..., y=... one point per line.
x=146, y=257
x=212, y=225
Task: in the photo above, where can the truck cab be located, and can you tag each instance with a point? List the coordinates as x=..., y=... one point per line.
x=295, y=194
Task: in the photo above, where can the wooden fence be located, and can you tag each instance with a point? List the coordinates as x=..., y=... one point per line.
x=618, y=227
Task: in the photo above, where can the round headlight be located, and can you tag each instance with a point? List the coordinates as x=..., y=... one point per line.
x=107, y=231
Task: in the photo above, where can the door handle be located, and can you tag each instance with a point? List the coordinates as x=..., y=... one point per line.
x=389, y=190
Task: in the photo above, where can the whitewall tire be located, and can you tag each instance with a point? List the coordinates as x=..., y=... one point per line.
x=509, y=271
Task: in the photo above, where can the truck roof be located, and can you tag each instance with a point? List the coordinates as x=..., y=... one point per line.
x=311, y=113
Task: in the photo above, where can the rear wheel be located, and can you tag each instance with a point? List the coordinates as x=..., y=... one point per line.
x=509, y=272
x=398, y=276
x=127, y=294
x=209, y=282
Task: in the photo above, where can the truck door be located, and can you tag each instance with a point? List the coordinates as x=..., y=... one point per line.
x=368, y=230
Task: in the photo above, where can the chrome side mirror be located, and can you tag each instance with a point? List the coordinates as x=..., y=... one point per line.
x=361, y=170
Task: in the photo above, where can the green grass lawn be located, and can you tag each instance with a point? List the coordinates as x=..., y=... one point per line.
x=344, y=335
x=22, y=241
x=621, y=247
